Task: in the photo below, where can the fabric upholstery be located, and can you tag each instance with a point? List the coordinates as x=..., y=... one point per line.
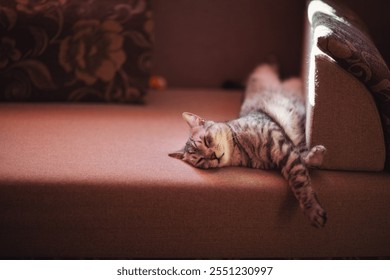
x=69, y=50
x=354, y=50
x=342, y=116
x=95, y=181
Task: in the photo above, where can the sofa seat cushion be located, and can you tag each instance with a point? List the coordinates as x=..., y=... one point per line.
x=95, y=144
x=96, y=181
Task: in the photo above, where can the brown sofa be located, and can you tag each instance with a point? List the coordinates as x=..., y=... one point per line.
x=95, y=181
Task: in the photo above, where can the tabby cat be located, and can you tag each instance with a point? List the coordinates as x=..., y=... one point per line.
x=269, y=134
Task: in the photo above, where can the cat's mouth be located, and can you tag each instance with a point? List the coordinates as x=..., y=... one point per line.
x=215, y=157
x=219, y=158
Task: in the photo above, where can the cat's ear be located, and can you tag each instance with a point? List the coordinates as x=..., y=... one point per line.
x=193, y=120
x=179, y=154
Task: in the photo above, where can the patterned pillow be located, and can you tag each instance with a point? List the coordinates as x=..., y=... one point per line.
x=353, y=49
x=71, y=50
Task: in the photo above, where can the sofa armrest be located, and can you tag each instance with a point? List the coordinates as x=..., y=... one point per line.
x=342, y=116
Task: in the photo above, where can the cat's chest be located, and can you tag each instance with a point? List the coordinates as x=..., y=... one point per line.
x=255, y=149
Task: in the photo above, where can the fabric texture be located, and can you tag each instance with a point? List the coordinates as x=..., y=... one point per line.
x=69, y=50
x=342, y=116
x=95, y=181
x=349, y=44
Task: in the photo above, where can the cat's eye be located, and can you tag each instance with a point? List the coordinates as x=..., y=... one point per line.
x=193, y=143
x=207, y=141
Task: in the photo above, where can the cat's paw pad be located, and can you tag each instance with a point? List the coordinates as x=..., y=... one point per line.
x=317, y=216
x=316, y=156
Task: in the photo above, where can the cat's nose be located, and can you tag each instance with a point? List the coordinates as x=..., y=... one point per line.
x=213, y=156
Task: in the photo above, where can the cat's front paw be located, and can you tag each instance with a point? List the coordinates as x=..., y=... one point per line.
x=317, y=215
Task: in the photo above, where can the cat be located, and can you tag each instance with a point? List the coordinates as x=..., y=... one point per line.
x=269, y=134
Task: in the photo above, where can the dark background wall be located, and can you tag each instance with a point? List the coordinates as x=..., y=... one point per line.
x=201, y=43
x=376, y=15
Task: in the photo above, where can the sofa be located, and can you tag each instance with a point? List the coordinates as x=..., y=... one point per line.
x=94, y=180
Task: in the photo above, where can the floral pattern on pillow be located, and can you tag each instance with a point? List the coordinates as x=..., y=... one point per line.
x=70, y=50
x=354, y=50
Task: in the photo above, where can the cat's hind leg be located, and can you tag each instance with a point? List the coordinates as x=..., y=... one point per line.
x=314, y=157
x=293, y=87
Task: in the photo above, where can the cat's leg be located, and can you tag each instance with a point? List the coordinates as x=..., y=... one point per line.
x=264, y=78
x=294, y=170
x=293, y=87
x=314, y=157
x=297, y=175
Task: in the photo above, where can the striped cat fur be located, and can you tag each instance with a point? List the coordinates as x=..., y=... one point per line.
x=269, y=134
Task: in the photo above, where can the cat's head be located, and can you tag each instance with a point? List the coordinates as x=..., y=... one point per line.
x=208, y=145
